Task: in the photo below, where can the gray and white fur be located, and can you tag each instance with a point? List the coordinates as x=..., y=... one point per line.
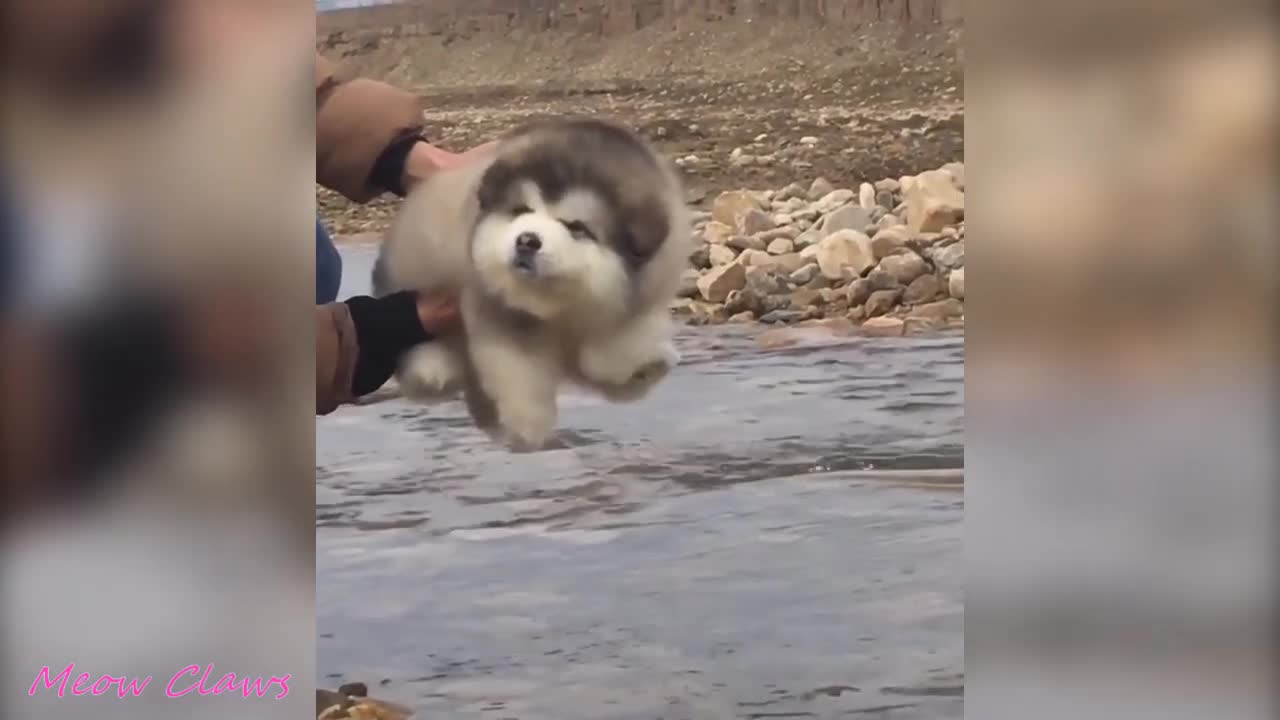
x=566, y=248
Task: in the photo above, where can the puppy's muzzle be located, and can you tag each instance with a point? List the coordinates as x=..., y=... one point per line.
x=527, y=246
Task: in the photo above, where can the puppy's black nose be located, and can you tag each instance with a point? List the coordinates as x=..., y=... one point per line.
x=528, y=243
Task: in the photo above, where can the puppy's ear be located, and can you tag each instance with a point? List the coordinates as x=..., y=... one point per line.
x=644, y=230
x=494, y=185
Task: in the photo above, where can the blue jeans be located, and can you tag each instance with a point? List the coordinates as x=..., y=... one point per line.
x=328, y=267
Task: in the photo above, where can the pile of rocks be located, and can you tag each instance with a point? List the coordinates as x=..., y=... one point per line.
x=352, y=702
x=888, y=256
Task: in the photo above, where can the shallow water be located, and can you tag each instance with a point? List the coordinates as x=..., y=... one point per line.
x=769, y=535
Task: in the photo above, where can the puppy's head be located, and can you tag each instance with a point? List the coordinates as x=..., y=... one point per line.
x=571, y=213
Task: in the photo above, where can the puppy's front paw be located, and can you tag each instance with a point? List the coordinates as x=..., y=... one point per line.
x=525, y=428
x=644, y=377
x=428, y=372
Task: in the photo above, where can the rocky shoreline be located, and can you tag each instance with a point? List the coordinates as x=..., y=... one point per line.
x=352, y=702
x=886, y=257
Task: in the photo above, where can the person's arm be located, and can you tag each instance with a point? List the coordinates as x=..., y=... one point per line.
x=423, y=159
x=358, y=122
x=369, y=137
x=359, y=342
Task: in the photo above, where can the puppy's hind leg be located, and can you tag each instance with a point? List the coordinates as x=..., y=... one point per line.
x=519, y=376
x=431, y=371
x=626, y=365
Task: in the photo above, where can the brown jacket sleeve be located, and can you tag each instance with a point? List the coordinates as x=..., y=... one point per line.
x=356, y=119
x=336, y=352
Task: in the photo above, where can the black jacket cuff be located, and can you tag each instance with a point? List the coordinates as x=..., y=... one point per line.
x=388, y=171
x=386, y=328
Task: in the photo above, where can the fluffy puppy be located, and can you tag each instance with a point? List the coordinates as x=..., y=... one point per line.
x=566, y=248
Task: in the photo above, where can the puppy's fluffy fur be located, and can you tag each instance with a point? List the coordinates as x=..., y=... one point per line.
x=566, y=249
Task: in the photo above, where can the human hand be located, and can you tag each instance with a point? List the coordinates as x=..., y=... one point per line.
x=388, y=327
x=438, y=312
x=425, y=159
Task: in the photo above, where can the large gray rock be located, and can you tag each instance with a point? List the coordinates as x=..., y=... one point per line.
x=781, y=246
x=745, y=242
x=888, y=220
x=791, y=192
x=933, y=202
x=806, y=214
x=705, y=313
x=890, y=241
x=743, y=301
x=940, y=310
x=717, y=233
x=949, y=257
x=955, y=284
x=789, y=232
x=732, y=205
x=755, y=221
x=847, y=250
x=749, y=258
x=689, y=284
x=788, y=263
x=881, y=302
x=956, y=171
x=718, y=282
x=923, y=289
x=888, y=185
x=806, y=298
x=721, y=255
x=805, y=274
x=866, y=196
x=701, y=257
x=763, y=281
x=791, y=205
x=849, y=217
x=858, y=292
x=820, y=188
x=882, y=280
x=807, y=239
x=783, y=317
x=904, y=267
x=834, y=200
x=883, y=327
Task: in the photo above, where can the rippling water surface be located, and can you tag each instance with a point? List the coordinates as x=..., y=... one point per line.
x=769, y=535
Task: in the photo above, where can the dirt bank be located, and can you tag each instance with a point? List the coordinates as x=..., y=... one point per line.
x=872, y=104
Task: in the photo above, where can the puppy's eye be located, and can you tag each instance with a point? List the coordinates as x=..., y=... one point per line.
x=521, y=210
x=578, y=230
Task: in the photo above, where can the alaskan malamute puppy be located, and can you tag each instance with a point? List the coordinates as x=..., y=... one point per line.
x=566, y=247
